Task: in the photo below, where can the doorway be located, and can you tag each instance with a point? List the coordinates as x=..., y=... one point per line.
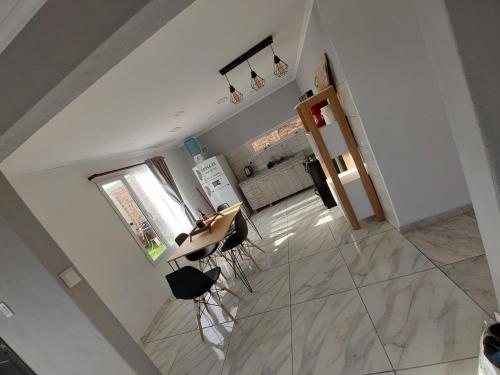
x=10, y=363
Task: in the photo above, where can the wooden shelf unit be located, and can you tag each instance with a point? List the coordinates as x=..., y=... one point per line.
x=304, y=110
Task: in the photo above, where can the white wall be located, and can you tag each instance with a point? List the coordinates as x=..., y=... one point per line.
x=470, y=87
x=390, y=76
x=85, y=226
x=48, y=330
x=316, y=43
x=267, y=113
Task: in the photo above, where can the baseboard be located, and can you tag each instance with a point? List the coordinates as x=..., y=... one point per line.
x=435, y=219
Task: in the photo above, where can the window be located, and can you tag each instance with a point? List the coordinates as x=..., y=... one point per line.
x=150, y=214
x=276, y=135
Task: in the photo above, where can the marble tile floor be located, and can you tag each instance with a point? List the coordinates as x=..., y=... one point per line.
x=331, y=300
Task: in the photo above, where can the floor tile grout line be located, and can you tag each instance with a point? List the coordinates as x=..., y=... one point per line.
x=174, y=335
x=449, y=278
x=435, y=267
x=177, y=354
x=286, y=219
x=463, y=260
x=234, y=327
x=232, y=331
x=467, y=294
x=363, y=238
x=396, y=277
x=218, y=324
x=369, y=316
x=375, y=330
x=421, y=251
x=318, y=298
x=434, y=364
x=290, y=297
x=310, y=255
x=439, y=221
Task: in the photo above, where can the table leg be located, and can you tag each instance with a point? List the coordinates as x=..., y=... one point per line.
x=253, y=225
x=237, y=266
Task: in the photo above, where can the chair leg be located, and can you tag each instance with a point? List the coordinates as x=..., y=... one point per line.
x=251, y=258
x=249, y=219
x=214, y=263
x=254, y=245
x=227, y=289
x=198, y=318
x=224, y=308
x=233, y=264
x=204, y=302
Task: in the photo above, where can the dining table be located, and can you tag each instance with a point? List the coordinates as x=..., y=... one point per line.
x=219, y=225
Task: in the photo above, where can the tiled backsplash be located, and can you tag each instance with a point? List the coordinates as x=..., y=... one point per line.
x=242, y=155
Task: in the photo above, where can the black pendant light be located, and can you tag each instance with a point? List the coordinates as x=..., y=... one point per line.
x=280, y=67
x=234, y=95
x=256, y=81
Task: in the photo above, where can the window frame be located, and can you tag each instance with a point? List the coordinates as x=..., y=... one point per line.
x=281, y=140
x=121, y=177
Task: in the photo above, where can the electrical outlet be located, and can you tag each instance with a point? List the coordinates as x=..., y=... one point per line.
x=70, y=277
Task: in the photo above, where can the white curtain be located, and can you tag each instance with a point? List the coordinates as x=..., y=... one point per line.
x=161, y=208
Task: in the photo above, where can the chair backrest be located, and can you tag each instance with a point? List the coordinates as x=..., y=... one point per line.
x=222, y=206
x=241, y=227
x=188, y=282
x=181, y=238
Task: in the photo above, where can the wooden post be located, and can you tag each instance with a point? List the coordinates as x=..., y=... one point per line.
x=339, y=114
x=304, y=110
x=306, y=117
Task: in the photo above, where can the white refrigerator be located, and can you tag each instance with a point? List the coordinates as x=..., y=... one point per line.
x=218, y=181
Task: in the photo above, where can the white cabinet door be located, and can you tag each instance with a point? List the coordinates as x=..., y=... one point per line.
x=281, y=184
x=295, y=178
x=304, y=177
x=267, y=188
x=254, y=195
x=292, y=180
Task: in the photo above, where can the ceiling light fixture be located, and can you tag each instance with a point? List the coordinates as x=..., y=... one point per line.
x=234, y=94
x=256, y=81
x=280, y=67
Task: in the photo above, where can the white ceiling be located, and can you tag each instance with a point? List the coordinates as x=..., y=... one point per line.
x=134, y=106
x=14, y=15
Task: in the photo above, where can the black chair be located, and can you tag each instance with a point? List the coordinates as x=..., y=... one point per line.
x=223, y=206
x=190, y=283
x=238, y=244
x=240, y=236
x=201, y=256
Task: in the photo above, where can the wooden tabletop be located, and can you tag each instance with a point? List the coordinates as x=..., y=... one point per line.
x=220, y=226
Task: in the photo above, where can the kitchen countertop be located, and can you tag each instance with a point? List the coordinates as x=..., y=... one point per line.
x=293, y=160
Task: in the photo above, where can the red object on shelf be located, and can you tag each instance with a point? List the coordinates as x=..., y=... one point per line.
x=316, y=112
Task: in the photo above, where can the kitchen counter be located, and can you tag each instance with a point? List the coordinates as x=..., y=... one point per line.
x=295, y=159
x=269, y=185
